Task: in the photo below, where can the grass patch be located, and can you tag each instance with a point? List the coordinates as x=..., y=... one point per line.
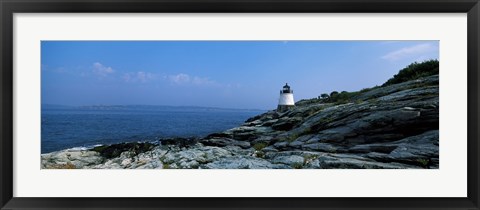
x=297, y=166
x=62, y=166
x=341, y=102
x=259, y=146
x=322, y=124
x=372, y=100
x=166, y=166
x=260, y=154
x=423, y=162
x=310, y=157
x=289, y=138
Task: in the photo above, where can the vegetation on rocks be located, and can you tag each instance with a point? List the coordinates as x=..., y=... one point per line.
x=112, y=151
x=415, y=71
x=411, y=72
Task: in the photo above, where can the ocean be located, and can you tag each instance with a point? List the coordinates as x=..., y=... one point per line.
x=66, y=127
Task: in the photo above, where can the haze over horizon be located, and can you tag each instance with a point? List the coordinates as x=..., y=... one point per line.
x=223, y=74
x=143, y=105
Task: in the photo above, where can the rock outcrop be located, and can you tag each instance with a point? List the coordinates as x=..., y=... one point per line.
x=392, y=127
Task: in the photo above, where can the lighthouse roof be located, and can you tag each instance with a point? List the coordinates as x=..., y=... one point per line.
x=286, y=89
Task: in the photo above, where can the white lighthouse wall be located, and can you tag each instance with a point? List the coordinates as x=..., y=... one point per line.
x=286, y=99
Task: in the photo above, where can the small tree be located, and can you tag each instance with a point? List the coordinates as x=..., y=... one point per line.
x=333, y=94
x=324, y=96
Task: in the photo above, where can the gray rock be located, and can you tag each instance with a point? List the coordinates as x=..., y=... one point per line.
x=281, y=144
x=188, y=164
x=238, y=151
x=262, y=139
x=286, y=123
x=296, y=144
x=313, y=164
x=222, y=142
x=269, y=149
x=367, y=148
x=293, y=160
x=322, y=147
x=357, y=163
x=420, y=150
x=153, y=165
x=269, y=122
x=244, y=162
x=70, y=159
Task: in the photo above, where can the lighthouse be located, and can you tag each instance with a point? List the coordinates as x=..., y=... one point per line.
x=286, y=99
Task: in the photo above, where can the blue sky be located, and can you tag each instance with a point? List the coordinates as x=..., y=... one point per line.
x=228, y=74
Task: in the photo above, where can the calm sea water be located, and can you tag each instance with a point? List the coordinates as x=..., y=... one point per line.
x=68, y=127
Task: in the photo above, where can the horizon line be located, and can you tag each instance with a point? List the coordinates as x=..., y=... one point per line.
x=195, y=106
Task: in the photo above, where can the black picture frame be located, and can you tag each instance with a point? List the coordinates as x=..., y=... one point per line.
x=9, y=7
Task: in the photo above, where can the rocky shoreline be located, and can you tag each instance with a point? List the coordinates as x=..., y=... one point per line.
x=391, y=127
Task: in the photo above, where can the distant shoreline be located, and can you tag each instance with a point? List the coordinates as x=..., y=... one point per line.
x=99, y=106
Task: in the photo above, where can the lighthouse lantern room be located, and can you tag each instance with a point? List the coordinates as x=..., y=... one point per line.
x=286, y=101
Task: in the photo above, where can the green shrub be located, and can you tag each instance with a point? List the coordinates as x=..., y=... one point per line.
x=372, y=100
x=333, y=94
x=411, y=72
x=423, y=162
x=260, y=154
x=259, y=146
x=62, y=166
x=297, y=166
x=114, y=150
x=358, y=101
x=365, y=90
x=324, y=96
x=292, y=137
x=342, y=97
x=415, y=71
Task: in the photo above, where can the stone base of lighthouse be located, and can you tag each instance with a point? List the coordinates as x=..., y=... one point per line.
x=283, y=108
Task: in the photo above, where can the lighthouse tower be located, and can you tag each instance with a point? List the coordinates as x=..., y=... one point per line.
x=286, y=99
